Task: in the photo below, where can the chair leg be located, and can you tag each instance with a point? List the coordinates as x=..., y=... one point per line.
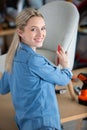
x=71, y=91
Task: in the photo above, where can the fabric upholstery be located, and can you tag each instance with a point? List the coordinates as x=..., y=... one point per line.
x=61, y=19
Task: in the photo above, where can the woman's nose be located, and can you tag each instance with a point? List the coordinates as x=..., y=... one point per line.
x=39, y=33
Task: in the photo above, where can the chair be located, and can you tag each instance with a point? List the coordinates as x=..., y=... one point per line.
x=62, y=20
x=62, y=25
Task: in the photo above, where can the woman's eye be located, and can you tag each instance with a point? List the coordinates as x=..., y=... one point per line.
x=33, y=29
x=44, y=28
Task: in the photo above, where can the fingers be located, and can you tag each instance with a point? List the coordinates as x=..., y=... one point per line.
x=63, y=57
x=62, y=52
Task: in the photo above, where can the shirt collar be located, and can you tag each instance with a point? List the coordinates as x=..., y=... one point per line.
x=26, y=47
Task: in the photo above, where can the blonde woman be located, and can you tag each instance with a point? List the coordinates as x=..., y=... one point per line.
x=31, y=78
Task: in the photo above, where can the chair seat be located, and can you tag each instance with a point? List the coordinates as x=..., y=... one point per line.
x=2, y=62
x=48, y=54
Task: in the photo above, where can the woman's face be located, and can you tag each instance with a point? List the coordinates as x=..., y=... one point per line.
x=34, y=32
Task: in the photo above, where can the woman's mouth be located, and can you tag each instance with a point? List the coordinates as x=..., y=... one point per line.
x=39, y=39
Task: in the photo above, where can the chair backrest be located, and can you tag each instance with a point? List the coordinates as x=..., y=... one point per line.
x=61, y=19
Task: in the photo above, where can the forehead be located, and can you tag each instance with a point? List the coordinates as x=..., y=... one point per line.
x=36, y=20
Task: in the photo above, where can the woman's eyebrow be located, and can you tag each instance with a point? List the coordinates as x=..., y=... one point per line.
x=37, y=26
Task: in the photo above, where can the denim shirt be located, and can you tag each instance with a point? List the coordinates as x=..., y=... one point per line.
x=32, y=86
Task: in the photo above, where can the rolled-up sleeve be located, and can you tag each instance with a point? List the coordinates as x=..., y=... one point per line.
x=47, y=71
x=4, y=85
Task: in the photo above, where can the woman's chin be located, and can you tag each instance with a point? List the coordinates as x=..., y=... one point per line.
x=39, y=45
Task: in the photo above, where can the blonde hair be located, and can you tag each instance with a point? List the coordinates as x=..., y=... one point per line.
x=21, y=21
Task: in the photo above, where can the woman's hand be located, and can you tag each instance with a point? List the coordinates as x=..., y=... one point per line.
x=63, y=58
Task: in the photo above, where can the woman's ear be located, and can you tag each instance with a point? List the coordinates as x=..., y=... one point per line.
x=19, y=32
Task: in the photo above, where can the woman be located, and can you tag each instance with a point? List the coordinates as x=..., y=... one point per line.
x=31, y=78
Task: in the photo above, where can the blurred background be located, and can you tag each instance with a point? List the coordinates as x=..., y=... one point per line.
x=10, y=8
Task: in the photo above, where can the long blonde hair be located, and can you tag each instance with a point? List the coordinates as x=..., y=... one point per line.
x=21, y=22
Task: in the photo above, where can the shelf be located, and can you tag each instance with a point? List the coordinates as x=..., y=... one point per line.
x=7, y=32
x=82, y=30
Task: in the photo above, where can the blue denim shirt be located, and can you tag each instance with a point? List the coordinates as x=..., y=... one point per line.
x=32, y=86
